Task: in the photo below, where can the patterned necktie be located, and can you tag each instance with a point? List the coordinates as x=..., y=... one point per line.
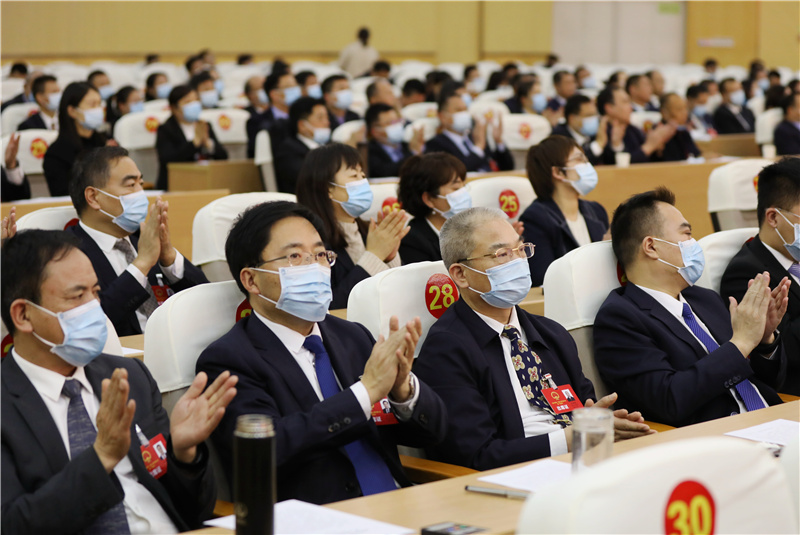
x=372, y=473
x=81, y=436
x=794, y=269
x=150, y=304
x=746, y=390
x=528, y=366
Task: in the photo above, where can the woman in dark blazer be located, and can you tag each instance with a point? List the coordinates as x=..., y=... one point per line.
x=332, y=184
x=425, y=181
x=80, y=116
x=184, y=137
x=559, y=221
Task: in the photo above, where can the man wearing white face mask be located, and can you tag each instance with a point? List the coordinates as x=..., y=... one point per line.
x=318, y=377
x=387, y=150
x=308, y=128
x=732, y=116
x=490, y=361
x=672, y=349
x=338, y=98
x=134, y=259
x=47, y=94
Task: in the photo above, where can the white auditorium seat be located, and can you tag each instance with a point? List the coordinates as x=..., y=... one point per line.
x=384, y=198
x=418, y=110
x=13, y=116
x=521, y=131
x=733, y=194
x=756, y=104
x=429, y=125
x=512, y=194
x=766, y=122
x=342, y=133
x=137, y=132
x=10, y=88
x=645, y=120
x=718, y=249
x=265, y=161
x=230, y=127
x=32, y=146
x=159, y=104
x=52, y=218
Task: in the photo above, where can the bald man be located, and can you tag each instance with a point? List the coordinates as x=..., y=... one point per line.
x=675, y=111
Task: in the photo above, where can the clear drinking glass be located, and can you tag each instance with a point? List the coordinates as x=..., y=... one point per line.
x=592, y=436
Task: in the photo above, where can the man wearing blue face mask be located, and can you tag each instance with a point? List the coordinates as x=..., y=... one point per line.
x=318, y=377
x=282, y=91
x=100, y=81
x=203, y=83
x=387, y=150
x=675, y=111
x=776, y=249
x=47, y=94
x=308, y=128
x=79, y=426
x=490, y=361
x=671, y=349
x=787, y=133
x=584, y=125
x=732, y=116
x=134, y=259
x=338, y=98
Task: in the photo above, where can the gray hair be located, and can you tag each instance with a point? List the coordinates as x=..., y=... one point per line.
x=456, y=239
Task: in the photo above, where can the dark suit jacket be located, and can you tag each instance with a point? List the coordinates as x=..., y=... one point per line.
x=11, y=192
x=554, y=104
x=562, y=130
x=34, y=121
x=421, y=244
x=751, y=260
x=19, y=99
x=725, y=122
x=289, y=158
x=514, y=105
x=278, y=130
x=121, y=295
x=462, y=360
x=348, y=116
x=633, y=141
x=546, y=228
x=381, y=164
x=310, y=434
x=647, y=107
x=473, y=162
x=60, y=156
x=45, y=492
x=172, y=146
x=680, y=147
x=787, y=138
x=656, y=366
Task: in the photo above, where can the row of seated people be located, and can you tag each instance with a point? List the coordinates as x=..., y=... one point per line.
x=674, y=352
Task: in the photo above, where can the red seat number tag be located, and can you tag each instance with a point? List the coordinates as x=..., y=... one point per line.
x=154, y=456
x=382, y=413
x=562, y=399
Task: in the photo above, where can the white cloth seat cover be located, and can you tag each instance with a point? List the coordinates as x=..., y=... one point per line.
x=645, y=120
x=342, y=133
x=718, y=249
x=52, y=218
x=521, y=131
x=512, y=194
x=33, y=144
x=13, y=115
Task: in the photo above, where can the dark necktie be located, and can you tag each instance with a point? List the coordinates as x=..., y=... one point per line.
x=794, y=269
x=528, y=366
x=746, y=390
x=372, y=473
x=81, y=436
x=150, y=304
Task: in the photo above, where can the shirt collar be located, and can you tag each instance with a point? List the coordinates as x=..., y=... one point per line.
x=308, y=142
x=49, y=121
x=279, y=114
x=580, y=138
x=497, y=326
x=436, y=230
x=47, y=382
x=734, y=108
x=461, y=141
x=106, y=242
x=785, y=262
x=292, y=339
x=673, y=306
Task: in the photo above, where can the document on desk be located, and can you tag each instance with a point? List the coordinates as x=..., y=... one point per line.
x=532, y=477
x=130, y=351
x=296, y=517
x=775, y=432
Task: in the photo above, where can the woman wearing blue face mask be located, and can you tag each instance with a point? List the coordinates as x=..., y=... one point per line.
x=157, y=86
x=332, y=184
x=559, y=221
x=81, y=120
x=126, y=100
x=184, y=137
x=432, y=189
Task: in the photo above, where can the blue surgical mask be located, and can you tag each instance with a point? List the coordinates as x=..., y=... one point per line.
x=209, y=99
x=105, y=91
x=587, y=178
x=467, y=98
x=262, y=96
x=589, y=82
x=539, y=102
x=137, y=106
x=321, y=134
x=314, y=91
x=359, y=197
x=394, y=133
x=305, y=291
x=53, y=101
x=737, y=97
x=477, y=85
x=459, y=200
x=134, y=210
x=794, y=247
x=693, y=260
x=510, y=282
x=85, y=333
x=191, y=111
x=699, y=110
x=163, y=90
x=219, y=85
x=763, y=83
x=462, y=122
x=290, y=94
x=344, y=98
x=590, y=126
x=93, y=119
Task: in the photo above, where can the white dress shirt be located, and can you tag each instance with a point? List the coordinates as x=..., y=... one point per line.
x=144, y=513
x=16, y=176
x=308, y=142
x=50, y=123
x=783, y=261
x=464, y=144
x=579, y=230
x=436, y=230
x=535, y=421
x=595, y=147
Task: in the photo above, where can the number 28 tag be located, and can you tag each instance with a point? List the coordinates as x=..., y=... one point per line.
x=440, y=293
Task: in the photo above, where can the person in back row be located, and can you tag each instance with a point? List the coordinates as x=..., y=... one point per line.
x=732, y=116
x=583, y=124
x=282, y=91
x=675, y=111
x=386, y=149
x=640, y=89
x=672, y=349
x=308, y=128
x=47, y=94
x=787, y=133
x=338, y=98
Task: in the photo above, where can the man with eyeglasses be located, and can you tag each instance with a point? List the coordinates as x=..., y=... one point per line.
x=318, y=377
x=492, y=363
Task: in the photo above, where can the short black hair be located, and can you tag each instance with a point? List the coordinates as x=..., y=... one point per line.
x=774, y=97
x=24, y=263
x=93, y=75
x=523, y=89
x=665, y=99
x=724, y=84
x=773, y=73
x=788, y=102
x=778, y=187
x=279, y=66
x=39, y=83
x=695, y=91
x=444, y=98
x=177, y=93
x=496, y=79
x=794, y=85
x=705, y=84
x=300, y=110
x=151, y=58
x=373, y=88
x=373, y=114
x=251, y=233
x=413, y=86
x=121, y=96
x=363, y=35
x=327, y=84
x=510, y=66
x=302, y=76
x=272, y=81
x=19, y=68
x=151, y=79
x=558, y=76
x=426, y=173
x=468, y=70
x=632, y=81
x=574, y=103
x=635, y=219
x=92, y=168
x=381, y=65
x=710, y=62
x=199, y=78
x=606, y=96
x=243, y=59
x=190, y=60
x=450, y=88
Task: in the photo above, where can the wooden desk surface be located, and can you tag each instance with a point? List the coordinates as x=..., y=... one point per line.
x=134, y=341
x=743, y=145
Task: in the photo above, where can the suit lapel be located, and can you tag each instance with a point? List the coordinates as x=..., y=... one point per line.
x=105, y=272
x=776, y=270
x=719, y=326
x=593, y=225
x=558, y=217
x=343, y=367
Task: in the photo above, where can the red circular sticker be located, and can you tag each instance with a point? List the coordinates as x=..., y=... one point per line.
x=151, y=124
x=525, y=130
x=243, y=310
x=38, y=148
x=440, y=293
x=8, y=341
x=71, y=223
x=224, y=122
x=390, y=204
x=621, y=277
x=509, y=202
x=648, y=125
x=755, y=183
x=690, y=510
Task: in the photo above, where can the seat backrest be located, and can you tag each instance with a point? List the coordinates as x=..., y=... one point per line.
x=384, y=198
x=13, y=115
x=482, y=110
x=229, y=124
x=718, y=249
x=263, y=159
x=684, y=486
x=429, y=125
x=52, y=218
x=790, y=461
x=158, y=104
x=418, y=110
x=11, y=87
x=422, y=289
x=645, y=120
x=32, y=146
x=137, y=130
x=512, y=194
x=493, y=95
x=524, y=130
x=342, y=133
x=756, y=104
x=733, y=186
x=766, y=122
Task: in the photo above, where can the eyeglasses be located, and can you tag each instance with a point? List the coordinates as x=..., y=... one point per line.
x=326, y=258
x=506, y=254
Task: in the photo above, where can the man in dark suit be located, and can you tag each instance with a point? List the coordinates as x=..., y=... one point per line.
x=74, y=420
x=381, y=91
x=697, y=100
x=47, y=95
x=732, y=116
x=787, y=133
x=308, y=128
x=640, y=89
x=671, y=349
x=318, y=377
x=138, y=269
x=468, y=143
x=256, y=96
x=584, y=126
x=387, y=150
x=282, y=90
x=15, y=185
x=488, y=359
x=338, y=98
x=776, y=250
x=565, y=85
x=681, y=146
x=27, y=91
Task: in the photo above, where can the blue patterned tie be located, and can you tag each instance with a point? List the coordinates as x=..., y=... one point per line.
x=372, y=473
x=81, y=436
x=747, y=391
x=794, y=269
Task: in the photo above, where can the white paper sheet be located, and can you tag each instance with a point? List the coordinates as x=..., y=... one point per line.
x=130, y=351
x=296, y=517
x=774, y=432
x=532, y=477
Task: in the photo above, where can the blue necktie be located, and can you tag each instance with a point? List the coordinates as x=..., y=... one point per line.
x=747, y=391
x=372, y=473
x=81, y=436
x=794, y=269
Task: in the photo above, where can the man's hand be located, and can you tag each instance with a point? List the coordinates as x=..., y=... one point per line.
x=658, y=137
x=417, y=143
x=168, y=254
x=479, y=134
x=11, y=152
x=149, y=248
x=382, y=367
x=9, y=226
x=602, y=131
x=401, y=391
x=778, y=302
x=497, y=131
x=749, y=317
x=201, y=134
x=617, y=133
x=198, y=413
x=114, y=419
x=626, y=425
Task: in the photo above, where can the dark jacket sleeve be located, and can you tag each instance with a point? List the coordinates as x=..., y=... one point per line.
x=57, y=167
x=220, y=152
x=539, y=231
x=344, y=276
x=504, y=159
x=13, y=192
